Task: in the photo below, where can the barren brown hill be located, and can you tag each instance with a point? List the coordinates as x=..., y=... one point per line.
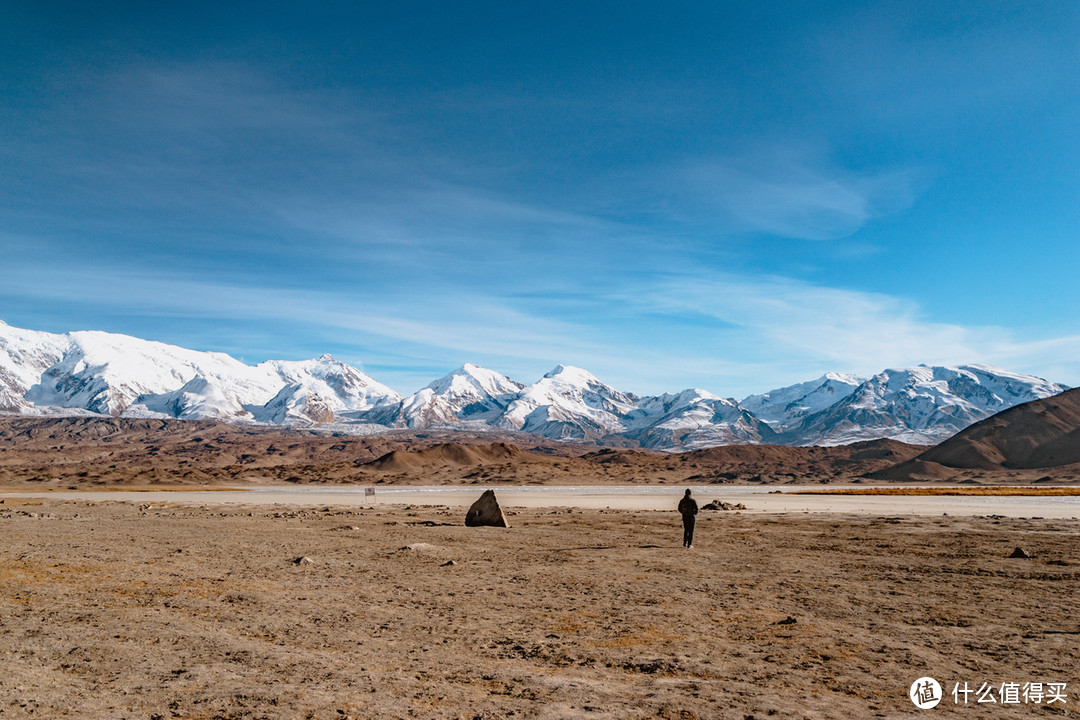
x=444, y=454
x=805, y=462
x=94, y=451
x=125, y=451
x=1042, y=435
x=770, y=458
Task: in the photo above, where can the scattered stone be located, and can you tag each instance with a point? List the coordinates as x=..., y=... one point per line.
x=303, y=560
x=787, y=621
x=656, y=666
x=1019, y=553
x=448, y=563
x=485, y=512
x=721, y=505
x=418, y=547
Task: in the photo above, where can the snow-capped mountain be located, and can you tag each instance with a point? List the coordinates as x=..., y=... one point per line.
x=198, y=399
x=918, y=405
x=24, y=356
x=475, y=392
x=785, y=407
x=108, y=374
x=321, y=390
x=694, y=419
x=568, y=402
x=471, y=394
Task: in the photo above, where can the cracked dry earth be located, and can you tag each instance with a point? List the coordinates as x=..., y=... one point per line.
x=120, y=611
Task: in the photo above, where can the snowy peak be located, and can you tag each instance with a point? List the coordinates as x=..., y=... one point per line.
x=568, y=402
x=577, y=384
x=662, y=408
x=471, y=395
x=110, y=374
x=298, y=404
x=198, y=399
x=106, y=373
x=923, y=404
x=426, y=408
x=573, y=376
x=475, y=393
x=472, y=384
x=321, y=390
x=340, y=386
x=784, y=407
x=974, y=387
x=24, y=356
x=694, y=419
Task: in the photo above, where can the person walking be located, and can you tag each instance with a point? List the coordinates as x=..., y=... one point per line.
x=688, y=509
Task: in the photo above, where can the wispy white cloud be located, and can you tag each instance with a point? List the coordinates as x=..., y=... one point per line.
x=859, y=330
x=769, y=331
x=792, y=193
x=431, y=214
x=1055, y=358
x=789, y=327
x=431, y=326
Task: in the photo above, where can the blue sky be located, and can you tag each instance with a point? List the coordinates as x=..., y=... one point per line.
x=709, y=194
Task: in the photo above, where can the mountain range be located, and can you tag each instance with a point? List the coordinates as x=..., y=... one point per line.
x=98, y=373
x=1038, y=435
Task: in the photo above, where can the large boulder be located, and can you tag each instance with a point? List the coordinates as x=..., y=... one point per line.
x=485, y=511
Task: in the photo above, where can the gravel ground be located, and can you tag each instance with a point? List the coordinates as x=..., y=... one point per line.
x=118, y=610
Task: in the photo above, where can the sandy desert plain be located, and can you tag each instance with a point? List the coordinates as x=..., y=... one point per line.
x=156, y=608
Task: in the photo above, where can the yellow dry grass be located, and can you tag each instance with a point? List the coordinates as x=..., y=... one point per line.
x=961, y=491
x=122, y=488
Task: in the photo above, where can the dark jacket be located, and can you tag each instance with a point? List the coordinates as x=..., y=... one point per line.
x=688, y=506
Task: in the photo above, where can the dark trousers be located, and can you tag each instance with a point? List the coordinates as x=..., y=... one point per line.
x=688, y=530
